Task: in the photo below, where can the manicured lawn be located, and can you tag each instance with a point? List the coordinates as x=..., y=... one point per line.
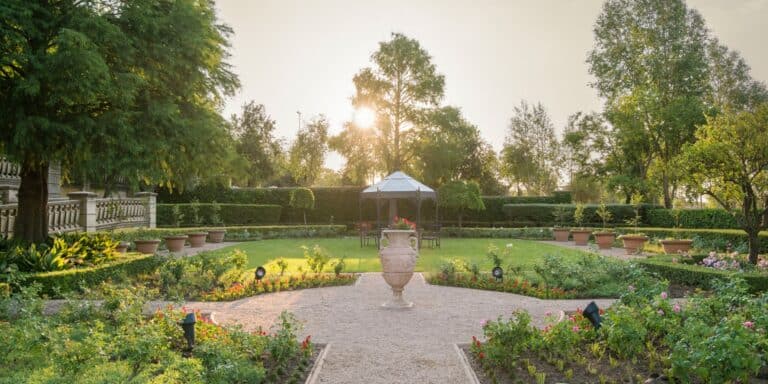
x=524, y=253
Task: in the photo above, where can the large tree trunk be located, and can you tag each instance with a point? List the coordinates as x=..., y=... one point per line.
x=754, y=244
x=32, y=218
x=667, y=193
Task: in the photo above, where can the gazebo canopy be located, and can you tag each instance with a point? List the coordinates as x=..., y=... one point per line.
x=398, y=185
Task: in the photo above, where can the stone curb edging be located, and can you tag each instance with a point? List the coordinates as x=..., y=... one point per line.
x=315, y=372
x=471, y=376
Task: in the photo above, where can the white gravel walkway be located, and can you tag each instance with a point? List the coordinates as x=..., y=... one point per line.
x=370, y=344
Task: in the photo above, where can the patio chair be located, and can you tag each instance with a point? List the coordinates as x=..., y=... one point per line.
x=368, y=233
x=430, y=236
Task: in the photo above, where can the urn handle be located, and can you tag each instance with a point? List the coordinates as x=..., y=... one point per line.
x=413, y=241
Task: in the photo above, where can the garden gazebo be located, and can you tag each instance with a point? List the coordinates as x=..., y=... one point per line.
x=398, y=185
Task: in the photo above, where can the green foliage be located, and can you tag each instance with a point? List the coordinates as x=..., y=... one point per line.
x=316, y=258
x=499, y=233
x=508, y=339
x=64, y=252
x=497, y=257
x=460, y=196
x=232, y=214
x=254, y=137
x=692, y=218
x=302, y=198
x=578, y=215
x=338, y=266
x=282, y=265
x=56, y=283
x=604, y=213
x=542, y=215
x=190, y=277
x=700, y=276
x=307, y=152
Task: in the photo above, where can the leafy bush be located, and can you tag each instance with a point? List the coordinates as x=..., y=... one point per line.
x=316, y=258
x=700, y=276
x=190, y=277
x=276, y=284
x=692, y=218
x=245, y=233
x=196, y=214
x=66, y=251
x=542, y=215
x=503, y=233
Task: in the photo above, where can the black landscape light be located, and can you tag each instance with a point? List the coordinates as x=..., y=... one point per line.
x=260, y=273
x=498, y=273
x=592, y=313
x=188, y=325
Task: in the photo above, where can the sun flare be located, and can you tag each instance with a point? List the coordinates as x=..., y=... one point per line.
x=364, y=117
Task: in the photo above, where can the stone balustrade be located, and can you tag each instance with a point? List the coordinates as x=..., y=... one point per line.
x=85, y=213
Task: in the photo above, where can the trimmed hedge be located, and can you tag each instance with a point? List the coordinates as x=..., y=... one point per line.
x=240, y=233
x=699, y=276
x=506, y=233
x=541, y=215
x=706, y=239
x=693, y=218
x=56, y=283
x=230, y=214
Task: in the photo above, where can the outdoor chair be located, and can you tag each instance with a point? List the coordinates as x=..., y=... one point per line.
x=368, y=233
x=431, y=236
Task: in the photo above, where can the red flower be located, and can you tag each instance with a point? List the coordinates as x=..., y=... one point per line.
x=481, y=355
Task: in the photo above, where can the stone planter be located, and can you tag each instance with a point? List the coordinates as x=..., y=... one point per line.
x=197, y=239
x=633, y=244
x=216, y=235
x=561, y=234
x=122, y=246
x=175, y=243
x=397, y=261
x=604, y=240
x=675, y=246
x=147, y=246
x=581, y=236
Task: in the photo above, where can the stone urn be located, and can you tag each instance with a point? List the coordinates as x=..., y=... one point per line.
x=398, y=258
x=197, y=239
x=633, y=244
x=175, y=243
x=216, y=235
x=147, y=246
x=561, y=234
x=581, y=236
x=604, y=239
x=675, y=246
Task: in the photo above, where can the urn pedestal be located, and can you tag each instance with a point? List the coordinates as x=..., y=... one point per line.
x=398, y=259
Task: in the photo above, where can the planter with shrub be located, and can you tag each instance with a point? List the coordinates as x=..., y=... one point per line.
x=147, y=246
x=605, y=237
x=580, y=235
x=216, y=235
x=175, y=243
x=197, y=239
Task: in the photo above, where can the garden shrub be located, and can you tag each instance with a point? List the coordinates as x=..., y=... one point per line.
x=197, y=214
x=503, y=233
x=541, y=215
x=245, y=233
x=56, y=283
x=692, y=218
x=705, y=239
x=701, y=276
x=61, y=252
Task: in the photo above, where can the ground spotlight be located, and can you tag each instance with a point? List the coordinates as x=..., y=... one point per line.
x=592, y=313
x=260, y=273
x=498, y=273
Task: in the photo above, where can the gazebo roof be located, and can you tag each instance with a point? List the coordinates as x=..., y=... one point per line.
x=398, y=185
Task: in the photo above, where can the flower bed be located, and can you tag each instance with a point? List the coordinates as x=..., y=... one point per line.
x=719, y=338
x=510, y=285
x=277, y=284
x=117, y=343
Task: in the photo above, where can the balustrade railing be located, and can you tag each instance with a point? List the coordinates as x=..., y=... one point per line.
x=7, y=218
x=113, y=213
x=64, y=216
x=9, y=170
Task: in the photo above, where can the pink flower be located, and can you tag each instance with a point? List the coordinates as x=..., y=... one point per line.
x=676, y=308
x=575, y=328
x=631, y=288
x=483, y=323
x=664, y=295
x=548, y=313
x=748, y=324
x=660, y=312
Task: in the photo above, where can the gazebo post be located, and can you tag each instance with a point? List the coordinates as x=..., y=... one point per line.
x=378, y=209
x=418, y=207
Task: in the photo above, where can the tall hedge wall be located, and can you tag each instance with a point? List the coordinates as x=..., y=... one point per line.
x=542, y=215
x=693, y=218
x=230, y=214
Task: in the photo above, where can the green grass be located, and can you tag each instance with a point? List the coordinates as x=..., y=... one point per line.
x=524, y=253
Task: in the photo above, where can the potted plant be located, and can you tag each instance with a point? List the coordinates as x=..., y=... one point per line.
x=148, y=246
x=561, y=233
x=605, y=237
x=216, y=235
x=676, y=245
x=197, y=239
x=580, y=234
x=122, y=246
x=634, y=242
x=175, y=243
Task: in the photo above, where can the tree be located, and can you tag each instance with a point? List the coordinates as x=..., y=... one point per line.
x=254, y=132
x=358, y=147
x=530, y=155
x=402, y=84
x=95, y=85
x=649, y=62
x=731, y=84
x=307, y=153
x=729, y=162
x=460, y=195
x=302, y=198
x=449, y=148
x=585, y=145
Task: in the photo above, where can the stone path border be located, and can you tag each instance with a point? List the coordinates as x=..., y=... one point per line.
x=471, y=376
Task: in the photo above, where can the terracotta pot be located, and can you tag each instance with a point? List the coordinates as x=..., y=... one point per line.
x=397, y=261
x=147, y=246
x=581, y=236
x=675, y=246
x=216, y=235
x=633, y=244
x=561, y=234
x=175, y=243
x=604, y=240
x=122, y=247
x=197, y=239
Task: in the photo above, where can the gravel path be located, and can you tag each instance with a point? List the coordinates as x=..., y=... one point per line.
x=370, y=344
x=618, y=253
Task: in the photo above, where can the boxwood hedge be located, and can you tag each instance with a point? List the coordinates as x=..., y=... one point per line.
x=692, y=218
x=230, y=214
x=540, y=215
x=56, y=283
x=241, y=233
x=699, y=276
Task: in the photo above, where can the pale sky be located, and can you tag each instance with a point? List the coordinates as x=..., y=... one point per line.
x=301, y=55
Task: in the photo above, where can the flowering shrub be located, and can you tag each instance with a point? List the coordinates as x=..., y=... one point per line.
x=402, y=223
x=276, y=284
x=511, y=285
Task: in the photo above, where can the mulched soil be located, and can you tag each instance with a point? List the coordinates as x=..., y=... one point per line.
x=297, y=371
